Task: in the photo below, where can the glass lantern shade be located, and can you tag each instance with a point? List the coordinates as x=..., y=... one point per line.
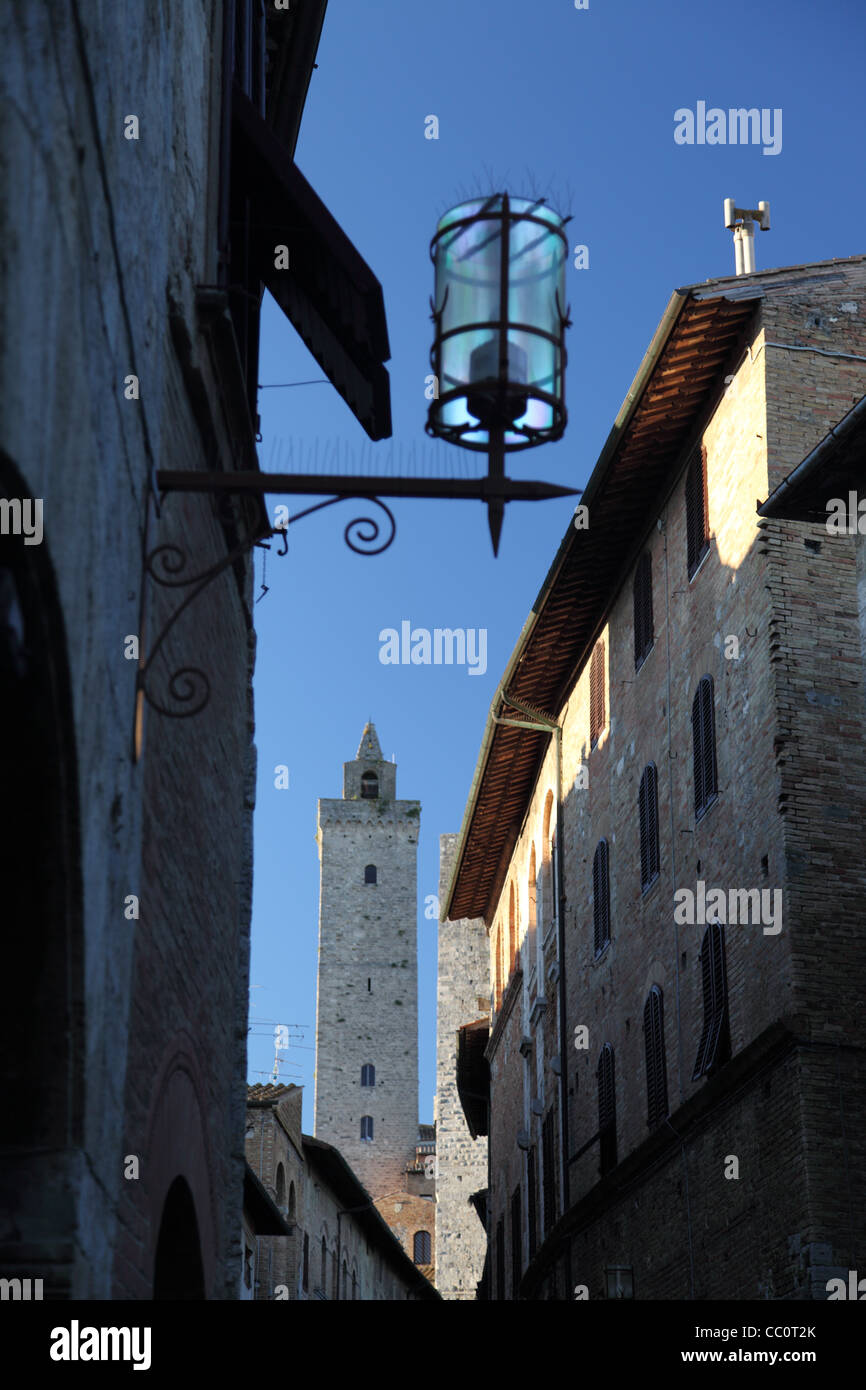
x=499, y=309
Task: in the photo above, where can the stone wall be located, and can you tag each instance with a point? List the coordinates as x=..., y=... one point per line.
x=105, y=252
x=461, y=996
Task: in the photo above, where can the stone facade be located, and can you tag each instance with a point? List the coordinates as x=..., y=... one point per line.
x=462, y=995
x=753, y=1187
x=128, y=1050
x=367, y=1007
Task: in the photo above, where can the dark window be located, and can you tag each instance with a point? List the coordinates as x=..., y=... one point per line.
x=500, y=1258
x=370, y=873
x=697, y=516
x=548, y=1171
x=369, y=785
x=354, y=1284
x=324, y=1266
x=596, y=694
x=281, y=1187
x=601, y=896
x=714, y=1047
x=656, y=1070
x=368, y=1074
x=293, y=1210
x=305, y=1278
x=648, y=808
x=421, y=1248
x=531, y=1202
x=369, y=985
x=606, y=1110
x=704, y=746
x=366, y=1126
x=516, y=1242
x=643, y=609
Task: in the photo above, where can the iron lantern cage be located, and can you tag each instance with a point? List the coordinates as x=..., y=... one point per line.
x=498, y=356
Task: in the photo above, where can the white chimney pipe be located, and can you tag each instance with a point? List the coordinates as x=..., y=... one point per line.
x=744, y=232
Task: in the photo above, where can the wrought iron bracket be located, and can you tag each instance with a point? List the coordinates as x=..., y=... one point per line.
x=188, y=687
x=167, y=565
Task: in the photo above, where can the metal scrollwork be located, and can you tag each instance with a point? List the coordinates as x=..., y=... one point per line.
x=189, y=687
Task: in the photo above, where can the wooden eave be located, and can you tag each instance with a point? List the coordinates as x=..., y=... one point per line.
x=702, y=336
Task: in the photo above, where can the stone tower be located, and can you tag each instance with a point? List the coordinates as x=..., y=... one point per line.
x=463, y=987
x=367, y=1011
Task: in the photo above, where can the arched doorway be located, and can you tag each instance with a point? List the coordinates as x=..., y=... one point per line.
x=42, y=1020
x=178, y=1271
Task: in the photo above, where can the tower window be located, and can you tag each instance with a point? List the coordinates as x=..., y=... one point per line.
x=714, y=1047
x=648, y=809
x=656, y=1071
x=369, y=985
x=369, y=786
x=596, y=694
x=370, y=873
x=601, y=896
x=368, y=1075
x=704, y=747
x=421, y=1248
x=606, y=1110
x=643, y=610
x=697, y=515
x=305, y=1278
x=367, y=1127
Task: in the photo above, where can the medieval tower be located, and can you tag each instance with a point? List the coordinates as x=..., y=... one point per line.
x=366, y=1101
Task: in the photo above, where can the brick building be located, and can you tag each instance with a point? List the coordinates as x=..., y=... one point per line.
x=664, y=837
x=147, y=165
x=340, y=1245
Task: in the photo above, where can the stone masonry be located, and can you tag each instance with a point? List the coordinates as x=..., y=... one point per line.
x=367, y=1009
x=462, y=996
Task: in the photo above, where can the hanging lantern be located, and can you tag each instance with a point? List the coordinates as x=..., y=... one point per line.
x=499, y=353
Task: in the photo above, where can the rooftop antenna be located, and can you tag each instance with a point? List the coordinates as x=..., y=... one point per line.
x=744, y=232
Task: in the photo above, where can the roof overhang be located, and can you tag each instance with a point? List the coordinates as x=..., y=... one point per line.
x=292, y=38
x=264, y=1214
x=473, y=1074
x=834, y=468
x=328, y=291
x=702, y=331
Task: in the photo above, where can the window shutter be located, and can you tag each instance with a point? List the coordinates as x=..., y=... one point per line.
x=601, y=896
x=648, y=812
x=697, y=514
x=500, y=1258
x=531, y=1200
x=548, y=1171
x=714, y=1047
x=606, y=1109
x=596, y=694
x=704, y=743
x=643, y=609
x=656, y=1069
x=516, y=1242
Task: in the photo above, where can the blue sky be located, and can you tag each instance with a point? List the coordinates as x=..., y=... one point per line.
x=542, y=99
